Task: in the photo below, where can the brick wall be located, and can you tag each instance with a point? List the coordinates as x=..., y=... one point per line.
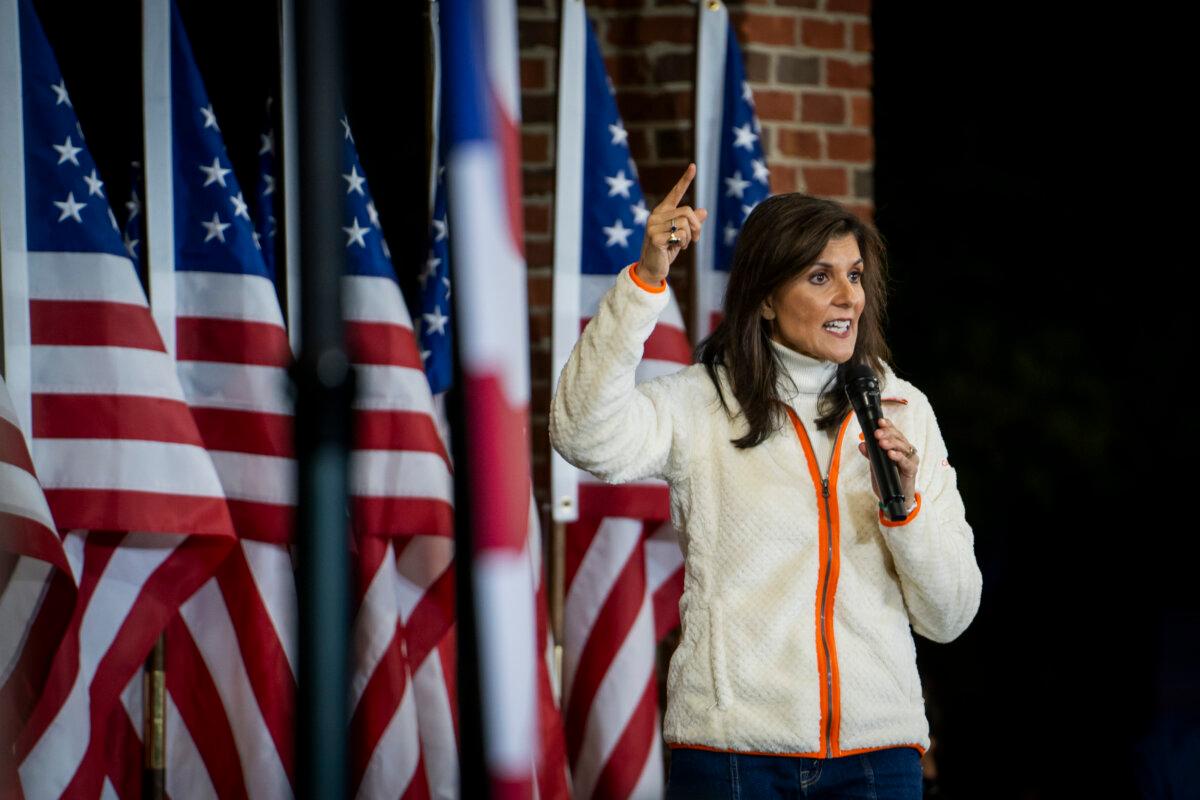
x=808, y=63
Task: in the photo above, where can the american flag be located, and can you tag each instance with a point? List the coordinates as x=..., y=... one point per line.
x=436, y=352
x=481, y=94
x=623, y=564
x=131, y=233
x=402, y=690
x=231, y=652
x=265, y=224
x=732, y=174
x=37, y=588
x=115, y=447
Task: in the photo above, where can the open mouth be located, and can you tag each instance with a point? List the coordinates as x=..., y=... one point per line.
x=838, y=327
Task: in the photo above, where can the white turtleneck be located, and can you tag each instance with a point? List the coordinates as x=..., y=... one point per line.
x=810, y=376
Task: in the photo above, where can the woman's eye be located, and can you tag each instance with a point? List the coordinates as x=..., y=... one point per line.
x=818, y=277
x=855, y=276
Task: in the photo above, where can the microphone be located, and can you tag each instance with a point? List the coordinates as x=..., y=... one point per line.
x=862, y=389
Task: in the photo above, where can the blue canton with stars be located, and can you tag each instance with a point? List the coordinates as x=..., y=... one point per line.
x=614, y=210
x=213, y=231
x=264, y=209
x=433, y=323
x=366, y=251
x=744, y=177
x=132, y=232
x=66, y=207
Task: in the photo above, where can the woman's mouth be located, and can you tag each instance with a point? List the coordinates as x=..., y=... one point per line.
x=838, y=327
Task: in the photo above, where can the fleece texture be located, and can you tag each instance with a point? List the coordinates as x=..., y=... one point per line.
x=760, y=668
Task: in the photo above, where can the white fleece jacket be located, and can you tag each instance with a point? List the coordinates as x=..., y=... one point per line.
x=798, y=599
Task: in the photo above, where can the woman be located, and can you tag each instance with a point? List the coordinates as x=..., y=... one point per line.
x=796, y=669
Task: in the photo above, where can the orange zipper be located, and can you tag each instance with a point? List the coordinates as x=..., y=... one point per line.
x=827, y=578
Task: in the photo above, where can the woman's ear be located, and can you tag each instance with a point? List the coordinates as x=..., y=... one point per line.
x=768, y=309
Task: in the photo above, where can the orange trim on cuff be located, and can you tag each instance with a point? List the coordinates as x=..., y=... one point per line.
x=887, y=523
x=662, y=286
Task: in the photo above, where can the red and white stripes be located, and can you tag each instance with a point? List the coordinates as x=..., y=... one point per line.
x=116, y=450
x=403, y=723
x=624, y=576
x=233, y=646
x=37, y=588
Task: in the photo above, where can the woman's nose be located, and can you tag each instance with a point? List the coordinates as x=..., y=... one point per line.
x=844, y=292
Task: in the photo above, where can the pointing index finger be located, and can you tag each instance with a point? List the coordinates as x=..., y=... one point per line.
x=676, y=194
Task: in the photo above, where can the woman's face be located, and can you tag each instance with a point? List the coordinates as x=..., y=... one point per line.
x=816, y=312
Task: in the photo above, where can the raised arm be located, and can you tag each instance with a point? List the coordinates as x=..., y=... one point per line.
x=600, y=420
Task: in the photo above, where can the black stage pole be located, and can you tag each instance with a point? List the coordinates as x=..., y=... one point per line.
x=322, y=409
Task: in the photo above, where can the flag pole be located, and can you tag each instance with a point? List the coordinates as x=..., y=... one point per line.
x=323, y=407
x=154, y=700
x=159, y=233
x=711, y=30
x=14, y=262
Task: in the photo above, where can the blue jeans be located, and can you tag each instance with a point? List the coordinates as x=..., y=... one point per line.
x=891, y=774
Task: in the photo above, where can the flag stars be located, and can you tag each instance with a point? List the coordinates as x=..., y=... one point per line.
x=439, y=229
x=112, y=219
x=215, y=229
x=94, y=184
x=735, y=186
x=355, y=181
x=431, y=265
x=60, y=93
x=640, y=213
x=266, y=143
x=239, y=206
x=268, y=182
x=436, y=322
x=730, y=234
x=619, y=134
x=446, y=283
x=744, y=137
x=133, y=205
x=372, y=213
x=210, y=118
x=355, y=234
x=746, y=209
x=67, y=151
x=617, y=233
x=215, y=173
x=760, y=171
x=131, y=245
x=70, y=208
x=346, y=135
x=747, y=93
x=618, y=184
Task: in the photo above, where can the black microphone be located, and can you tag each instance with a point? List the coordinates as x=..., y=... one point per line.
x=862, y=389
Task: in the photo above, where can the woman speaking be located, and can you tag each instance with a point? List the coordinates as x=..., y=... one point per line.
x=796, y=672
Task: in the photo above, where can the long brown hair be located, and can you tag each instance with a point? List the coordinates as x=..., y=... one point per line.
x=783, y=237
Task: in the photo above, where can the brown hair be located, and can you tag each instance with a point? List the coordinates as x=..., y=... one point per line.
x=782, y=238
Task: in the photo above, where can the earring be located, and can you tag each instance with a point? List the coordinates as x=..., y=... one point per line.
x=768, y=314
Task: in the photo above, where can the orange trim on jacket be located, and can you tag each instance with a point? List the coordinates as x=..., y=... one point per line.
x=855, y=752
x=829, y=570
x=662, y=287
x=887, y=523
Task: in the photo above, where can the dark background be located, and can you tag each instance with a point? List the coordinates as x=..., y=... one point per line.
x=1029, y=182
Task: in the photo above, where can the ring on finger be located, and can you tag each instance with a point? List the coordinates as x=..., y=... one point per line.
x=912, y=451
x=673, y=226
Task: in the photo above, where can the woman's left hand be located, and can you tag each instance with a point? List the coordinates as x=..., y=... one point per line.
x=897, y=448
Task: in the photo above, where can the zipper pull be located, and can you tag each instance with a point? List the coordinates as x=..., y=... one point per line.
x=825, y=487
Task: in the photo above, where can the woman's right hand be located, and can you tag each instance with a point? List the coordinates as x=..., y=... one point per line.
x=657, y=251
